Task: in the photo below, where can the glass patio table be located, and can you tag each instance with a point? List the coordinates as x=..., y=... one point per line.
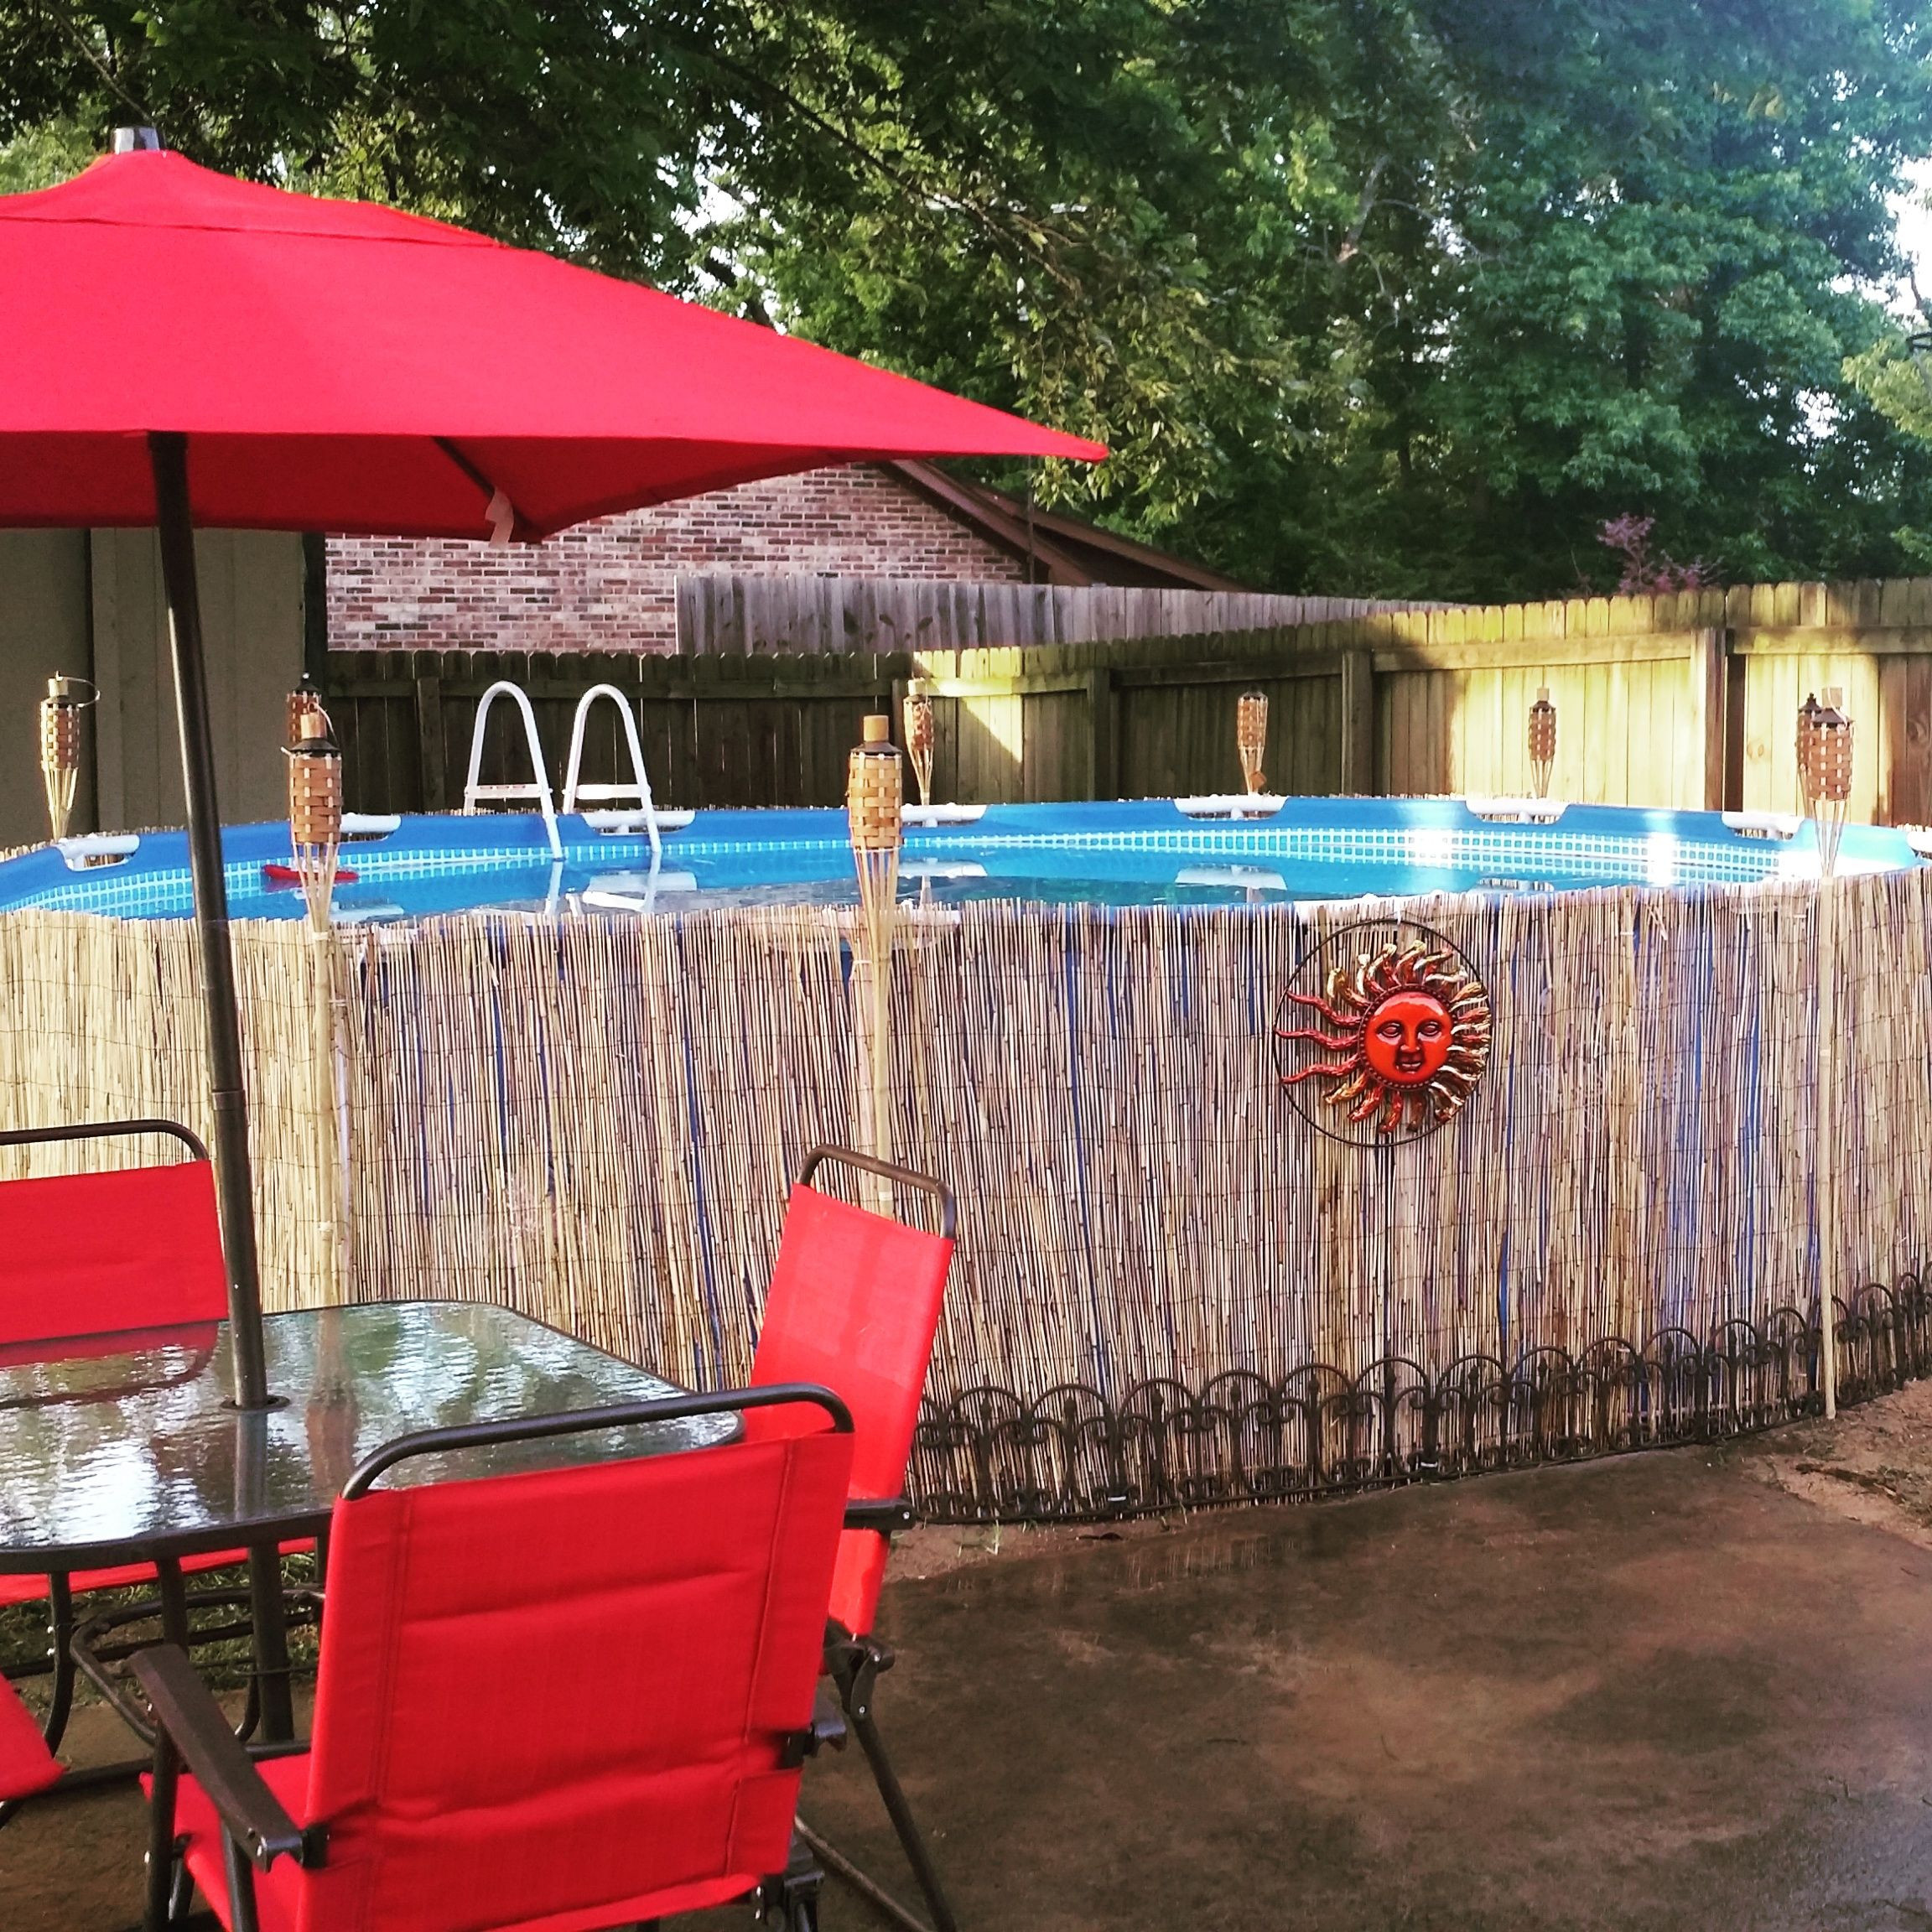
x=125, y=1448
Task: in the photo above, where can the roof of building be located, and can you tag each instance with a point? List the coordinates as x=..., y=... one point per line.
x=1059, y=548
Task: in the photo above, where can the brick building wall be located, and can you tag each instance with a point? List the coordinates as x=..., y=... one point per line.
x=611, y=585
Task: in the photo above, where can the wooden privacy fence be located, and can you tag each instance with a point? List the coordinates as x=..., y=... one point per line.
x=1685, y=700
x=594, y=1121
x=720, y=613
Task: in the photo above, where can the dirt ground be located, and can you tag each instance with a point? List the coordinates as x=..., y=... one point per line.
x=1873, y=1465
x=1683, y=1689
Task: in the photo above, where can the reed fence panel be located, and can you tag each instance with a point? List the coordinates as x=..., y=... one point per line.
x=594, y=1121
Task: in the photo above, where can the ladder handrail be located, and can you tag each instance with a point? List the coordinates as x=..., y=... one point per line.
x=473, y=790
x=640, y=790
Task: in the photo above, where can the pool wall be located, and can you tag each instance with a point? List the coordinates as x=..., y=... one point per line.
x=1168, y=1286
x=426, y=866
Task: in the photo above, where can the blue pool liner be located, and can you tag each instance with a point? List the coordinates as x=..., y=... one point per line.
x=1124, y=853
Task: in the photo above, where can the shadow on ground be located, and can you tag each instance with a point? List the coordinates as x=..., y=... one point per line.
x=1654, y=1692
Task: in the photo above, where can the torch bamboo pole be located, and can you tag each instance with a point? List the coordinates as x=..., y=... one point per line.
x=875, y=794
x=1825, y=1177
x=1824, y=749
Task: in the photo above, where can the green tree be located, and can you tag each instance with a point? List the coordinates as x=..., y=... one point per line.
x=1668, y=235
x=558, y=124
x=1402, y=296
x=1895, y=377
x=1897, y=383
x=1153, y=223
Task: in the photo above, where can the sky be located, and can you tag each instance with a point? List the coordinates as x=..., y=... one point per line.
x=1915, y=232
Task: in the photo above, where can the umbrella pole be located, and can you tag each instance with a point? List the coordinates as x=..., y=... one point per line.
x=167, y=451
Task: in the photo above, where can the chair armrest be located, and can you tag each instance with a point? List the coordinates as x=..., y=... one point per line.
x=186, y=1712
x=884, y=1513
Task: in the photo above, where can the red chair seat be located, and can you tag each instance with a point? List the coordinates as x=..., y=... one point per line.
x=26, y=1764
x=277, y=1890
x=31, y=1589
x=277, y=1893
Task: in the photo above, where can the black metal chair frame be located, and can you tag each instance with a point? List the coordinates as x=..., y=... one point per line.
x=190, y=1731
x=104, y=1657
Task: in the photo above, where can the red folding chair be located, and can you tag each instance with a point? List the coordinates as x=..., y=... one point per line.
x=26, y=1766
x=555, y=1701
x=854, y=1304
x=85, y=1259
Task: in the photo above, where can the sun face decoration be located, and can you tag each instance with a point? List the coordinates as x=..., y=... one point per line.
x=1405, y=1031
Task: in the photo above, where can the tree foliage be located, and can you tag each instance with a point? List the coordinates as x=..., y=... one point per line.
x=1397, y=296
x=1894, y=376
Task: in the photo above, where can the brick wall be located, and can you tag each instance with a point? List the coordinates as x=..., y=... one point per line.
x=611, y=585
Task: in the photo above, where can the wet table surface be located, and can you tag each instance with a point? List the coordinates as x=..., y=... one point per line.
x=129, y=1450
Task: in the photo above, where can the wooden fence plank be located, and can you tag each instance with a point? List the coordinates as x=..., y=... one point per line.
x=1358, y=733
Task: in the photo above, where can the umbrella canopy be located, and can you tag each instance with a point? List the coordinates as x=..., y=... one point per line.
x=181, y=348
x=344, y=367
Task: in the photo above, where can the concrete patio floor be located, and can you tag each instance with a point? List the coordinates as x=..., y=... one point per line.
x=1673, y=1690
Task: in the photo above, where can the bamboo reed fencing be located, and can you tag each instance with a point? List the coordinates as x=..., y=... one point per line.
x=595, y=1120
x=1685, y=700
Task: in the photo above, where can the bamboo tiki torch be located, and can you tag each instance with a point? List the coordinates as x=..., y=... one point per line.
x=917, y=714
x=1542, y=741
x=315, y=836
x=875, y=789
x=314, y=805
x=1825, y=782
x=1251, y=738
x=1808, y=713
x=1824, y=773
x=60, y=712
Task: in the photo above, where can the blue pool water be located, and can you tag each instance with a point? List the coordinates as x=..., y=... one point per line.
x=1137, y=852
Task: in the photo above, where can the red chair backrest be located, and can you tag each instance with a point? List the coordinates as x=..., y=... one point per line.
x=546, y=1694
x=854, y=1304
x=95, y=1253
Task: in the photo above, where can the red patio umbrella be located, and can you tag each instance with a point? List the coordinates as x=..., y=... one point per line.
x=182, y=348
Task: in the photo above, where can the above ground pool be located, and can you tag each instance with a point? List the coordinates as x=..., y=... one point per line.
x=1189, y=1269
x=1133, y=852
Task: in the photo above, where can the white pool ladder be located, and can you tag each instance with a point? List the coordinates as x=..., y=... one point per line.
x=639, y=788
x=474, y=792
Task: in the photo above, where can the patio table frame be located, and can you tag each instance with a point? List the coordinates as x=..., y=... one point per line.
x=555, y=1377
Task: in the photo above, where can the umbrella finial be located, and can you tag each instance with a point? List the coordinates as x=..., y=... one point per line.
x=136, y=141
